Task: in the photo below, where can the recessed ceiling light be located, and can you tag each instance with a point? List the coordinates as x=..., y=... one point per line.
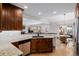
x=25, y=7
x=39, y=13
x=54, y=12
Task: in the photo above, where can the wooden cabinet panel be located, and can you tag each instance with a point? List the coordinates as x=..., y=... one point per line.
x=45, y=46
x=11, y=17
x=26, y=48
x=0, y=15
x=77, y=10
x=18, y=17
x=34, y=45
x=41, y=45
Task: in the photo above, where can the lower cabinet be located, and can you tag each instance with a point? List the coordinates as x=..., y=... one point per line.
x=24, y=46
x=41, y=45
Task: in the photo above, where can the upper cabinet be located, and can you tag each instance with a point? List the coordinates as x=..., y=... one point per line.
x=11, y=17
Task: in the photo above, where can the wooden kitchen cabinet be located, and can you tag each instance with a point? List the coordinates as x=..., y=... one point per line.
x=41, y=45
x=11, y=17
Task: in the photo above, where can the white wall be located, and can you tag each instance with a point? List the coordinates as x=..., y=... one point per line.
x=50, y=28
x=28, y=21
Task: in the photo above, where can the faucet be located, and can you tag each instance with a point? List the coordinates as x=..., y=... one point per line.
x=38, y=34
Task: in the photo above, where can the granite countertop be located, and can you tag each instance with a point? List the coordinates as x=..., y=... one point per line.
x=23, y=37
x=7, y=49
x=10, y=51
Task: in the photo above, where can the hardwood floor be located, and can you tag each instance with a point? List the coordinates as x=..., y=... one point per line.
x=60, y=50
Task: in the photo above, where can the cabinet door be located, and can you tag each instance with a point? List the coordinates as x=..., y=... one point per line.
x=45, y=45
x=3, y=20
x=18, y=18
x=7, y=16
x=34, y=45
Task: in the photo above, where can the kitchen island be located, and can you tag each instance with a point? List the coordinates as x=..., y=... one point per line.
x=8, y=49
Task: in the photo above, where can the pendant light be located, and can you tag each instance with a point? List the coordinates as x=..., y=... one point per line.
x=64, y=25
x=64, y=19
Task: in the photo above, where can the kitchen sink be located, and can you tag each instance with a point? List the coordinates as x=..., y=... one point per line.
x=37, y=36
